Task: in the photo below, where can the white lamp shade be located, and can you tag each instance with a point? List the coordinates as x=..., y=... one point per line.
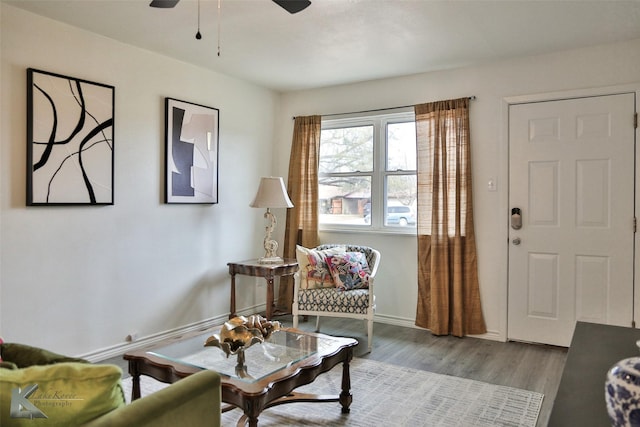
x=271, y=194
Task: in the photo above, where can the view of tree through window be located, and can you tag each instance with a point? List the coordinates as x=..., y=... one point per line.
x=347, y=150
x=346, y=167
x=367, y=172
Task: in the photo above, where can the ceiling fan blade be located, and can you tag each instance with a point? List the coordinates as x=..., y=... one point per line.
x=293, y=6
x=165, y=4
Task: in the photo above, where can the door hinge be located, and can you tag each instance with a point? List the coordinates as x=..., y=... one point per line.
x=635, y=224
x=635, y=121
x=633, y=323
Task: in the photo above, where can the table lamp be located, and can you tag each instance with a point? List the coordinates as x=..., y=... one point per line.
x=271, y=194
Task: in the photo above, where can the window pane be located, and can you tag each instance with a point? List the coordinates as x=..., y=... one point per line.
x=401, y=146
x=401, y=200
x=344, y=200
x=346, y=150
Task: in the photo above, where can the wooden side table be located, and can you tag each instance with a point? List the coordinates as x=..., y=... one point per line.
x=268, y=271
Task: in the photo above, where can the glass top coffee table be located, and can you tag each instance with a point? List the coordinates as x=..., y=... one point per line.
x=288, y=359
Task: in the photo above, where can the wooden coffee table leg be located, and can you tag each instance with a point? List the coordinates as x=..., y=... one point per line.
x=345, y=395
x=135, y=391
x=247, y=420
x=135, y=380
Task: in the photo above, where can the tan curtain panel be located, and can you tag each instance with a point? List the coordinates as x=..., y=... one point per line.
x=448, y=289
x=302, y=219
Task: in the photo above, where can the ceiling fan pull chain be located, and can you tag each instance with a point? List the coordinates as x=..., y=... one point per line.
x=198, y=35
x=219, y=14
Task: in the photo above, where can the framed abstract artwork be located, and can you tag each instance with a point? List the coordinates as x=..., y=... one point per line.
x=191, y=135
x=70, y=145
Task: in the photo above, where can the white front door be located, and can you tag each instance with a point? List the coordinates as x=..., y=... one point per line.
x=571, y=175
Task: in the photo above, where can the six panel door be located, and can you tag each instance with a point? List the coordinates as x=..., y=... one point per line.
x=571, y=175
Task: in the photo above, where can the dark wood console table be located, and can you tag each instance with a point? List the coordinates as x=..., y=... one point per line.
x=268, y=271
x=594, y=350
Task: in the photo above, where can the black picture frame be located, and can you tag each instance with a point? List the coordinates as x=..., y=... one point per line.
x=191, y=152
x=70, y=140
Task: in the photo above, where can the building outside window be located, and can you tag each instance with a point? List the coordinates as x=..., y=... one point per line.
x=367, y=173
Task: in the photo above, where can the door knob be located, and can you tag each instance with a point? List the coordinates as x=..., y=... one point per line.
x=516, y=241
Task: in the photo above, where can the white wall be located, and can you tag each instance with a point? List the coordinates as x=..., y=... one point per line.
x=77, y=280
x=80, y=279
x=396, y=286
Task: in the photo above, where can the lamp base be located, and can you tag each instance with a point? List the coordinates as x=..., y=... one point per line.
x=271, y=260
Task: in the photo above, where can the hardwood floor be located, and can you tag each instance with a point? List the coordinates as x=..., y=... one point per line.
x=526, y=366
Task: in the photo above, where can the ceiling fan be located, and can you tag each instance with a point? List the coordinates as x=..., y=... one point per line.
x=291, y=6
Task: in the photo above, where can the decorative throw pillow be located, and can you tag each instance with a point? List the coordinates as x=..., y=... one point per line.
x=350, y=270
x=67, y=394
x=312, y=264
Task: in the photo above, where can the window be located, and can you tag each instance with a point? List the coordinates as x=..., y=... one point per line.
x=367, y=173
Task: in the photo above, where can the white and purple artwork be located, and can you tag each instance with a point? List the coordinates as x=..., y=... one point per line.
x=70, y=154
x=191, y=152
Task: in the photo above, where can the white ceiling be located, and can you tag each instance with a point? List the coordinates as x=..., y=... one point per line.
x=345, y=41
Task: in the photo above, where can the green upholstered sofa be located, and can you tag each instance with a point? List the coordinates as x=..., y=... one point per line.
x=192, y=401
x=72, y=392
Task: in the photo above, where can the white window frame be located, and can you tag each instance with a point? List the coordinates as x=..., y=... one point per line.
x=379, y=121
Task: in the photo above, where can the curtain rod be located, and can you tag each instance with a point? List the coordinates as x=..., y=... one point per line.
x=471, y=98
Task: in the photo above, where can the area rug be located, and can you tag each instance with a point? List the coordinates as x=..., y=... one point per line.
x=388, y=395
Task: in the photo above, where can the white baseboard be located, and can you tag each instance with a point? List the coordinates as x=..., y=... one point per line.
x=147, y=341
x=394, y=320
x=120, y=349
x=410, y=323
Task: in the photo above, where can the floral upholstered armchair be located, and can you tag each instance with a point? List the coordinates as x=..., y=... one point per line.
x=336, y=281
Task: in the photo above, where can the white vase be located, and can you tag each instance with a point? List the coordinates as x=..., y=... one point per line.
x=622, y=393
